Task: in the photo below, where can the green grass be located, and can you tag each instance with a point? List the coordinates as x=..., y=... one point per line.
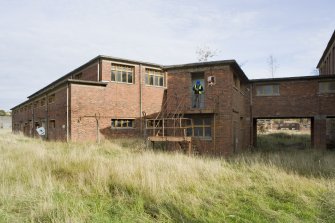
x=284, y=140
x=121, y=181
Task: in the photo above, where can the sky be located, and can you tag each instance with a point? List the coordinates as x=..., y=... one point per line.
x=43, y=40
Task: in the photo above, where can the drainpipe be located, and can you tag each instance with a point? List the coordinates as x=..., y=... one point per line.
x=67, y=112
x=251, y=118
x=98, y=72
x=140, y=76
x=47, y=116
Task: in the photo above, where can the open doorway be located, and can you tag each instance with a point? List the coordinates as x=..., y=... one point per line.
x=198, y=101
x=284, y=133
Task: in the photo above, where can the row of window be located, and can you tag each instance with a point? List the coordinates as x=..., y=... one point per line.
x=52, y=124
x=273, y=89
x=125, y=74
x=36, y=104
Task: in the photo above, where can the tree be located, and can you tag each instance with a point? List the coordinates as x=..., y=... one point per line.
x=205, y=52
x=315, y=72
x=273, y=65
x=2, y=113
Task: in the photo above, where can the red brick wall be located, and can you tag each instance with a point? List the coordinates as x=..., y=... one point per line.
x=89, y=73
x=54, y=111
x=179, y=82
x=116, y=100
x=297, y=99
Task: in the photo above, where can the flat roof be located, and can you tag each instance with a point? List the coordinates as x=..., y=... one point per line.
x=330, y=43
x=233, y=63
x=71, y=81
x=298, y=78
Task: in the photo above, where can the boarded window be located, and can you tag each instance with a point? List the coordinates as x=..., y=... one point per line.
x=267, y=90
x=327, y=87
x=122, y=73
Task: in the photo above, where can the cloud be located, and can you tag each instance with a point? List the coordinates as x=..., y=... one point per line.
x=43, y=40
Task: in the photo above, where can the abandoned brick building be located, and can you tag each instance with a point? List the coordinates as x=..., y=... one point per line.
x=109, y=97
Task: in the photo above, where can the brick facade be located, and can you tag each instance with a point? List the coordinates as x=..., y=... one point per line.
x=82, y=105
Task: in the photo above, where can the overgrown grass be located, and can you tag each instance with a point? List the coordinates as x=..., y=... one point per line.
x=284, y=140
x=122, y=182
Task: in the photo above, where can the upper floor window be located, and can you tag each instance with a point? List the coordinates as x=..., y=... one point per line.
x=267, y=90
x=327, y=87
x=236, y=81
x=51, y=98
x=154, y=77
x=78, y=76
x=43, y=102
x=122, y=73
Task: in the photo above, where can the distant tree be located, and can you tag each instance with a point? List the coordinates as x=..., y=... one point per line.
x=205, y=52
x=315, y=72
x=273, y=65
x=2, y=113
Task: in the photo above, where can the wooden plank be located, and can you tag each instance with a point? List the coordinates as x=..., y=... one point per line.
x=169, y=139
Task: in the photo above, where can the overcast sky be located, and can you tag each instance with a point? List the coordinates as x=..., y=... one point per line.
x=43, y=40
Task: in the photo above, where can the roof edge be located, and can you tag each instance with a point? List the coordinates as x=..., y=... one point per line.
x=71, y=81
x=298, y=78
x=330, y=42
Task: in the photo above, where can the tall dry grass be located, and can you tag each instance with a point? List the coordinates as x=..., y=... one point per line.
x=121, y=181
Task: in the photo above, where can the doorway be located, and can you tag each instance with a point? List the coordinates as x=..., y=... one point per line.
x=195, y=103
x=283, y=133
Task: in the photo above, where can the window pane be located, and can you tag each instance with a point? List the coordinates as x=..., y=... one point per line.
x=146, y=79
x=207, y=121
x=118, y=123
x=119, y=76
x=113, y=123
x=267, y=89
x=259, y=90
x=130, y=77
x=198, y=131
x=124, y=123
x=197, y=121
x=124, y=76
x=130, y=123
x=113, y=76
x=189, y=132
x=208, y=132
x=275, y=89
x=151, y=80
x=156, y=81
x=161, y=81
